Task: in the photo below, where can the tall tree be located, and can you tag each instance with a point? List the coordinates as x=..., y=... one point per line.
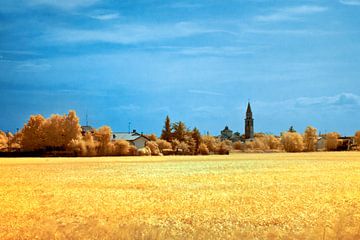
x=180, y=131
x=166, y=132
x=197, y=138
x=310, y=139
x=103, y=136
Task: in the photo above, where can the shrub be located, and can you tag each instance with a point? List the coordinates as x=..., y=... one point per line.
x=154, y=148
x=121, y=148
x=223, y=148
x=145, y=151
x=203, y=150
x=163, y=144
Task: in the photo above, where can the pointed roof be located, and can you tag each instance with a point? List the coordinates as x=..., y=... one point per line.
x=248, y=110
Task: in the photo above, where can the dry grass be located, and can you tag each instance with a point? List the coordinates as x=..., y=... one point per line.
x=241, y=196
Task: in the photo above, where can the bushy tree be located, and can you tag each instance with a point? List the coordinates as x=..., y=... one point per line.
x=152, y=137
x=332, y=141
x=210, y=142
x=166, y=132
x=223, y=148
x=203, y=150
x=154, y=148
x=357, y=139
x=54, y=132
x=310, y=139
x=163, y=144
x=121, y=148
x=3, y=141
x=33, y=137
x=103, y=136
x=292, y=142
x=238, y=145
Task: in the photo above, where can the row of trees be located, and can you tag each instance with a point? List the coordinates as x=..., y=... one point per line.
x=292, y=141
x=63, y=133
x=176, y=138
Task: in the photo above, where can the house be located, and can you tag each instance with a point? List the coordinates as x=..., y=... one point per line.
x=321, y=143
x=86, y=129
x=346, y=143
x=227, y=134
x=134, y=138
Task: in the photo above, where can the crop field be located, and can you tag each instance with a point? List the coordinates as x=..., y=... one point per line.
x=239, y=196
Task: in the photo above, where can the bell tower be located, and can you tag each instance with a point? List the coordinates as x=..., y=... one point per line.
x=249, y=123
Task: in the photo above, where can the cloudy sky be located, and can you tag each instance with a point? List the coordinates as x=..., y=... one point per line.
x=197, y=61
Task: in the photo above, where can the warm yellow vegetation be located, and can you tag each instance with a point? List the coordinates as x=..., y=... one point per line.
x=240, y=196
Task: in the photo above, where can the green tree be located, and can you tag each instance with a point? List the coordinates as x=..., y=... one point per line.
x=166, y=132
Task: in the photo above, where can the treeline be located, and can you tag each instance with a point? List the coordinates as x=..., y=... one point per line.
x=177, y=139
x=292, y=141
x=61, y=135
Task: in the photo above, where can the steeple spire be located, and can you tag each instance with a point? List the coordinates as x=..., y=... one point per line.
x=249, y=123
x=248, y=111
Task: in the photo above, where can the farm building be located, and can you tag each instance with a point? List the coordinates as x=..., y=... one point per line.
x=134, y=138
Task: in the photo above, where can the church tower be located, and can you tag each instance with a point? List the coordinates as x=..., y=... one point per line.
x=249, y=123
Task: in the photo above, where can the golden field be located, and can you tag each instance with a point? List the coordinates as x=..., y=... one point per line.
x=240, y=196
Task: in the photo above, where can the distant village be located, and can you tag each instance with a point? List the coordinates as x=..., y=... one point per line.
x=63, y=136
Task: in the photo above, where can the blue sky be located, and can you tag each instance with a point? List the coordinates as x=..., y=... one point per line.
x=197, y=61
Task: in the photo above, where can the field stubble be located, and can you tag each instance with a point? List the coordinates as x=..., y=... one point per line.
x=240, y=196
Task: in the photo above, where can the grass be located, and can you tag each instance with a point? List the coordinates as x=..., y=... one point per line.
x=240, y=196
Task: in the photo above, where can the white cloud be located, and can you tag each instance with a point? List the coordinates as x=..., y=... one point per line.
x=204, y=92
x=63, y=4
x=104, y=17
x=33, y=67
x=213, y=51
x=342, y=100
x=128, y=33
x=351, y=2
x=292, y=13
x=290, y=31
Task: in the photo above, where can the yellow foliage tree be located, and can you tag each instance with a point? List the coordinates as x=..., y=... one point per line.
x=121, y=148
x=292, y=142
x=103, y=136
x=163, y=144
x=3, y=141
x=357, y=139
x=154, y=148
x=332, y=141
x=33, y=137
x=310, y=139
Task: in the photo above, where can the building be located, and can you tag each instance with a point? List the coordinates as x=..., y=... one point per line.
x=86, y=129
x=249, y=123
x=134, y=138
x=227, y=133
